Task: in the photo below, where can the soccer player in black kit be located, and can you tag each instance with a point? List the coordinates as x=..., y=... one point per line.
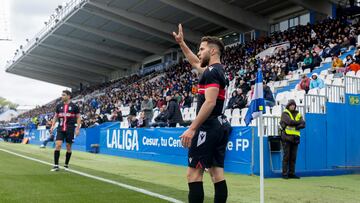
x=207, y=135
x=67, y=114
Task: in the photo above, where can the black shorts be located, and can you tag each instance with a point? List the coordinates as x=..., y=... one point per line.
x=209, y=144
x=67, y=135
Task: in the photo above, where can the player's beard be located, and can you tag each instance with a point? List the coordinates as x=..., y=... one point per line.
x=205, y=61
x=64, y=100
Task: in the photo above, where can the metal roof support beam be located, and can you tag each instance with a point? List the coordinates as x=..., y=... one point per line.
x=73, y=64
x=99, y=47
x=46, y=78
x=130, y=41
x=113, y=63
x=33, y=68
x=60, y=70
x=128, y=23
x=235, y=13
x=146, y=23
x=206, y=14
x=320, y=6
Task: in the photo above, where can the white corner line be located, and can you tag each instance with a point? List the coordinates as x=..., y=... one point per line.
x=129, y=187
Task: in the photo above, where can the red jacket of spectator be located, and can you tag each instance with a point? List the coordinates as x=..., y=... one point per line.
x=304, y=84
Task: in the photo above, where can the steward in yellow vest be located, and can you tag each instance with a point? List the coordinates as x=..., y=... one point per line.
x=291, y=122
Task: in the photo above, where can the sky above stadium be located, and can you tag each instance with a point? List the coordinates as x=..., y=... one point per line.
x=24, y=19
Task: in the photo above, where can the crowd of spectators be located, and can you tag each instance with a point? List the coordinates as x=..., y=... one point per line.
x=307, y=46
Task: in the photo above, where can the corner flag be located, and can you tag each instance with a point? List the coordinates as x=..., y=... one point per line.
x=257, y=105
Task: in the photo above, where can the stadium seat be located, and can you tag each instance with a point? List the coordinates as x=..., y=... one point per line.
x=124, y=124
x=192, y=110
x=236, y=113
x=276, y=110
x=192, y=116
x=186, y=110
x=330, y=76
x=299, y=71
x=323, y=77
x=235, y=121
x=328, y=60
x=307, y=71
x=327, y=81
x=227, y=113
x=267, y=111
x=322, y=92
x=187, y=116
x=358, y=74
x=243, y=112
x=279, y=97
x=350, y=73
x=338, y=82
x=295, y=77
x=277, y=84
x=313, y=91
x=283, y=83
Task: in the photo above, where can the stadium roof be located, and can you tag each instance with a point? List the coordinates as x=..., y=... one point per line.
x=87, y=40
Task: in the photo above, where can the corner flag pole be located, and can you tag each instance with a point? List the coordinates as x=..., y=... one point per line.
x=261, y=144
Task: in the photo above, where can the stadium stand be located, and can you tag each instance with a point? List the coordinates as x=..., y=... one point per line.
x=282, y=71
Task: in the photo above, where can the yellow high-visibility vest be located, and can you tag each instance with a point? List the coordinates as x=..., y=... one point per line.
x=292, y=130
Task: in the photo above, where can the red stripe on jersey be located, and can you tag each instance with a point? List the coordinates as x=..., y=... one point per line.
x=209, y=85
x=201, y=91
x=212, y=85
x=220, y=96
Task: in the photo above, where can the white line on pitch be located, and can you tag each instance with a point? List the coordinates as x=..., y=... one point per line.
x=136, y=189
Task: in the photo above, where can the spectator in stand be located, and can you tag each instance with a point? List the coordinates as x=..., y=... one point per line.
x=178, y=98
x=348, y=60
x=161, y=119
x=99, y=119
x=316, y=82
x=355, y=66
x=173, y=112
x=337, y=64
x=357, y=56
x=327, y=37
x=147, y=108
x=244, y=86
x=119, y=115
x=94, y=103
x=292, y=65
x=232, y=100
x=116, y=115
x=133, y=122
x=187, y=100
x=160, y=102
x=249, y=95
x=240, y=101
x=316, y=60
x=132, y=109
x=308, y=62
x=268, y=95
x=304, y=84
x=141, y=122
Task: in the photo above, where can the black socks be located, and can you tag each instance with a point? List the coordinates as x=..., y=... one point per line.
x=56, y=157
x=221, y=192
x=68, y=155
x=196, y=192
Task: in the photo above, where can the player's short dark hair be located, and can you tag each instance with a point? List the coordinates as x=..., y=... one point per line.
x=67, y=92
x=214, y=40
